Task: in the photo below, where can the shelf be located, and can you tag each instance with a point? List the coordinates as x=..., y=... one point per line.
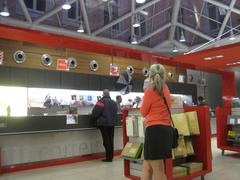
x=233, y=124
x=192, y=175
x=131, y=159
x=234, y=140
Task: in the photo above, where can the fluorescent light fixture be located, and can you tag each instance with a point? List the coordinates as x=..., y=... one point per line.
x=136, y=21
x=182, y=38
x=5, y=11
x=145, y=13
x=66, y=5
x=232, y=37
x=134, y=40
x=213, y=57
x=219, y=56
x=175, y=49
x=80, y=29
x=140, y=1
x=228, y=64
x=207, y=58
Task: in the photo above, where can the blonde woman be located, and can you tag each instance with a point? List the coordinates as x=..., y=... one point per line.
x=158, y=135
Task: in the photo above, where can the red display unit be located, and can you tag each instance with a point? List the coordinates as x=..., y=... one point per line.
x=223, y=127
x=201, y=145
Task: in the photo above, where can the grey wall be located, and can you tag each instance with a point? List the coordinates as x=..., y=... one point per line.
x=213, y=89
x=237, y=76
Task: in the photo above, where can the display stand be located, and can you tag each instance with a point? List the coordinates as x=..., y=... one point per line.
x=201, y=145
x=223, y=127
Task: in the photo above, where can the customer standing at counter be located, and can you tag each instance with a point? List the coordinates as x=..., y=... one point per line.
x=119, y=101
x=158, y=135
x=105, y=113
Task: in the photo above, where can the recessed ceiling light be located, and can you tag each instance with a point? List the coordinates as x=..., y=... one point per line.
x=80, y=28
x=134, y=40
x=232, y=36
x=140, y=1
x=219, y=56
x=66, y=5
x=5, y=11
x=182, y=38
x=207, y=58
x=136, y=21
x=175, y=49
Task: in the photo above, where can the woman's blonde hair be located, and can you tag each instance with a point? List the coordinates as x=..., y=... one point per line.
x=156, y=74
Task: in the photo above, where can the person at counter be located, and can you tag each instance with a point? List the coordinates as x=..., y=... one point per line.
x=119, y=101
x=105, y=113
x=202, y=101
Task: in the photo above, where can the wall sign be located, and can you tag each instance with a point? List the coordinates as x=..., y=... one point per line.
x=1, y=57
x=114, y=70
x=62, y=65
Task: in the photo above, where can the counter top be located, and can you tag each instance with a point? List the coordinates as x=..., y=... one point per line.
x=46, y=124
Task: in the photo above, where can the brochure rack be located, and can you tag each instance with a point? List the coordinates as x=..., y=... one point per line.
x=201, y=145
x=223, y=127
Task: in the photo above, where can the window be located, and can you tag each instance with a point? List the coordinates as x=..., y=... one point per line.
x=39, y=5
x=29, y=3
x=72, y=13
x=105, y=15
x=143, y=25
x=213, y=14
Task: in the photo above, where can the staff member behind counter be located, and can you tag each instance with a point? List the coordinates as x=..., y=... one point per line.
x=105, y=114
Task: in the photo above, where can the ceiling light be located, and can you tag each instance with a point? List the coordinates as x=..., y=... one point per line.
x=175, y=49
x=228, y=64
x=145, y=13
x=134, y=40
x=136, y=21
x=80, y=29
x=219, y=56
x=140, y=1
x=182, y=38
x=207, y=58
x=66, y=5
x=5, y=11
x=232, y=37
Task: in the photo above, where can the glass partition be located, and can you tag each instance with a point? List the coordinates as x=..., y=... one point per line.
x=22, y=101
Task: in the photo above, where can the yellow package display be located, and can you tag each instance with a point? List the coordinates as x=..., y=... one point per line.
x=193, y=166
x=181, y=150
x=193, y=125
x=181, y=123
x=132, y=150
x=232, y=134
x=189, y=147
x=179, y=171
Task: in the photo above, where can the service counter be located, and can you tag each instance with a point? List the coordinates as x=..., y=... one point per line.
x=42, y=124
x=35, y=139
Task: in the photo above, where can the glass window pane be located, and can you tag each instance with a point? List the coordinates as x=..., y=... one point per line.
x=72, y=11
x=29, y=3
x=41, y=5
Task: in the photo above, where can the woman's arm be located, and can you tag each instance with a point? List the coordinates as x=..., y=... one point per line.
x=147, y=101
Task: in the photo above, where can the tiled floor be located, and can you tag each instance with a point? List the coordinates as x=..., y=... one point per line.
x=224, y=168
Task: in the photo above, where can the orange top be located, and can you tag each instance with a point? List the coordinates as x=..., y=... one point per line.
x=154, y=109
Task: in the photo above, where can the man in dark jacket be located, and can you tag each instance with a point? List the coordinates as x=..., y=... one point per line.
x=105, y=113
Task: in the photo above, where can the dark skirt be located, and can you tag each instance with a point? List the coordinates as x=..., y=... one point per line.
x=158, y=142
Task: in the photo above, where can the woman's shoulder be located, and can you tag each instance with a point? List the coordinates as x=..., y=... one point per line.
x=149, y=90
